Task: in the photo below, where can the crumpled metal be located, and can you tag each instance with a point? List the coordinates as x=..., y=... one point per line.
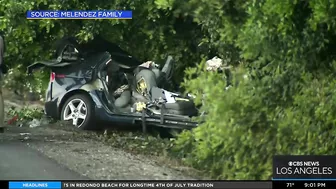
x=149, y=64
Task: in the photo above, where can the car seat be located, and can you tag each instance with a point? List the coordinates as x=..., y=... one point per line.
x=145, y=81
x=123, y=100
x=168, y=68
x=164, y=75
x=161, y=76
x=115, y=81
x=147, y=90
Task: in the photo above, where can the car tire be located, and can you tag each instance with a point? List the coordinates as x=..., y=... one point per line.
x=84, y=113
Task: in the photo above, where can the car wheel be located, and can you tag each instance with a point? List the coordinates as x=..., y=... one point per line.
x=79, y=110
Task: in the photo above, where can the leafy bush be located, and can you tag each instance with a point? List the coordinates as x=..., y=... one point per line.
x=286, y=107
x=241, y=133
x=235, y=128
x=18, y=80
x=26, y=113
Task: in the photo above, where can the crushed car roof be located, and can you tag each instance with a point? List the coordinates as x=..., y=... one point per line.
x=98, y=44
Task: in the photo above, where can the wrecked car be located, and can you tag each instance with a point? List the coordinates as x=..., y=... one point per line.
x=98, y=81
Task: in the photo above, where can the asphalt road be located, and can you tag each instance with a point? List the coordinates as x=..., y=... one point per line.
x=19, y=162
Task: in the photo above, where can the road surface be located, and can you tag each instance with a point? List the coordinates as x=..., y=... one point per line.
x=20, y=162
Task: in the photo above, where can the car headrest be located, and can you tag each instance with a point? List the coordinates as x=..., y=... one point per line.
x=168, y=68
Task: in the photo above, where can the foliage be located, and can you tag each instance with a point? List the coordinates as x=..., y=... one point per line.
x=153, y=34
x=25, y=113
x=287, y=105
x=287, y=49
x=15, y=80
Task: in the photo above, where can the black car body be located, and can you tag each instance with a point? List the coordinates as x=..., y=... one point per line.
x=78, y=76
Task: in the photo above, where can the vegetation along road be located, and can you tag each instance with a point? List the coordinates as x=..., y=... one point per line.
x=286, y=105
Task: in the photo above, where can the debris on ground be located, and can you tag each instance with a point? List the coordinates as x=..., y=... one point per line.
x=23, y=134
x=34, y=123
x=38, y=122
x=26, y=117
x=13, y=120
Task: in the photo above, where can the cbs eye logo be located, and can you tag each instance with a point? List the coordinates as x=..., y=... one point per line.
x=295, y=163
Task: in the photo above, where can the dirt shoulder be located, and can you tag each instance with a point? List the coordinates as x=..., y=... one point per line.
x=82, y=153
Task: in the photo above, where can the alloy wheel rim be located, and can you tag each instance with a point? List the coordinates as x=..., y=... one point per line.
x=75, y=111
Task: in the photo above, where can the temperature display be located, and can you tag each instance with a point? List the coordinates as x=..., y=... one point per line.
x=290, y=184
x=303, y=184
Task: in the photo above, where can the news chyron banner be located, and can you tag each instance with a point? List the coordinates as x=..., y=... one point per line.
x=304, y=172
x=139, y=184
x=93, y=14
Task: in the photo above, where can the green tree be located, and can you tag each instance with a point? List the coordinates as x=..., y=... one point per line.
x=152, y=34
x=285, y=108
x=286, y=48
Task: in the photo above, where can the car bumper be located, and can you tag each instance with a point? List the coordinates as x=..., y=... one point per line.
x=50, y=109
